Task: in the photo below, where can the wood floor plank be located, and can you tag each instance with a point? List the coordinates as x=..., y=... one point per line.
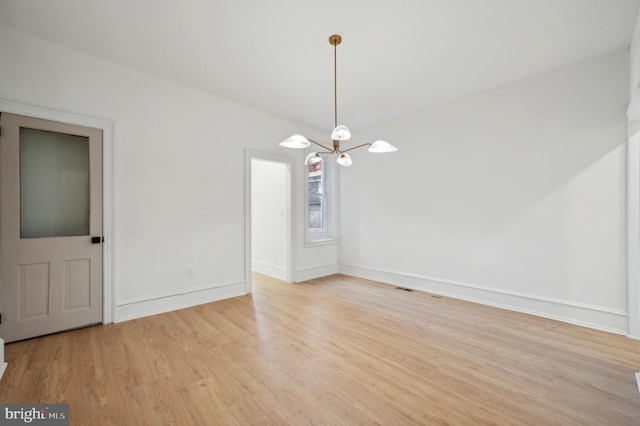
x=337, y=350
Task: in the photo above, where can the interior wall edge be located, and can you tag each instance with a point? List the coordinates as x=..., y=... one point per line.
x=632, y=198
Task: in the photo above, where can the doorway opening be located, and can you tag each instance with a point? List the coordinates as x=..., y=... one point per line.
x=268, y=216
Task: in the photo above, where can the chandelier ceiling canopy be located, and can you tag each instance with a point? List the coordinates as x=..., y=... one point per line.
x=340, y=132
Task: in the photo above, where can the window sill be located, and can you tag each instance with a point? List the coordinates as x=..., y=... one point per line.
x=321, y=241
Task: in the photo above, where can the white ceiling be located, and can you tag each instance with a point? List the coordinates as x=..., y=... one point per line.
x=274, y=55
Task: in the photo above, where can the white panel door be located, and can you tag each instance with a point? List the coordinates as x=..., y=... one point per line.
x=50, y=226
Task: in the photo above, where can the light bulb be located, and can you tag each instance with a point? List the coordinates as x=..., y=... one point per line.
x=312, y=158
x=295, y=141
x=341, y=133
x=382, y=146
x=344, y=160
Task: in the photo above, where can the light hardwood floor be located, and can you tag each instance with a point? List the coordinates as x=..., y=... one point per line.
x=337, y=350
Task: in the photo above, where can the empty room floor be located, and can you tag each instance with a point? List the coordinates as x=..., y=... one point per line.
x=337, y=350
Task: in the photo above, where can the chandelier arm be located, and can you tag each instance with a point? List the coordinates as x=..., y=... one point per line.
x=355, y=147
x=331, y=151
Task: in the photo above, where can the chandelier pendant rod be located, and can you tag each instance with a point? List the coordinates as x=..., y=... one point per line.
x=335, y=85
x=335, y=40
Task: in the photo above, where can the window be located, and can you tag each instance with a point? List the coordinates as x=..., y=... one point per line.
x=320, y=205
x=317, y=198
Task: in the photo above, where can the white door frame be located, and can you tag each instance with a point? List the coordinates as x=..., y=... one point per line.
x=107, y=220
x=290, y=219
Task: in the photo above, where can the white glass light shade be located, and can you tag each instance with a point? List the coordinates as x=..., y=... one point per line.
x=312, y=158
x=382, y=146
x=344, y=160
x=295, y=141
x=341, y=133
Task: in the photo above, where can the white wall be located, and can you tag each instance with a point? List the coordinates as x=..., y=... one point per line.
x=269, y=186
x=178, y=170
x=512, y=197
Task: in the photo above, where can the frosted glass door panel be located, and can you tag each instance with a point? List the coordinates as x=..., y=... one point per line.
x=54, y=184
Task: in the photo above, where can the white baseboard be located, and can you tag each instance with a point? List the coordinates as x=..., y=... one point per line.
x=316, y=272
x=605, y=319
x=128, y=310
x=272, y=270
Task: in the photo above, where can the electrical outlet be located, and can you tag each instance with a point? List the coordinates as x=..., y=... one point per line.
x=191, y=272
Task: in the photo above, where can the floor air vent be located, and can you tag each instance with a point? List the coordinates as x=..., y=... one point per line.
x=404, y=288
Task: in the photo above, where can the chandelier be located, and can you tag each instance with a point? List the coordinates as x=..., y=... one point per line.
x=340, y=132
